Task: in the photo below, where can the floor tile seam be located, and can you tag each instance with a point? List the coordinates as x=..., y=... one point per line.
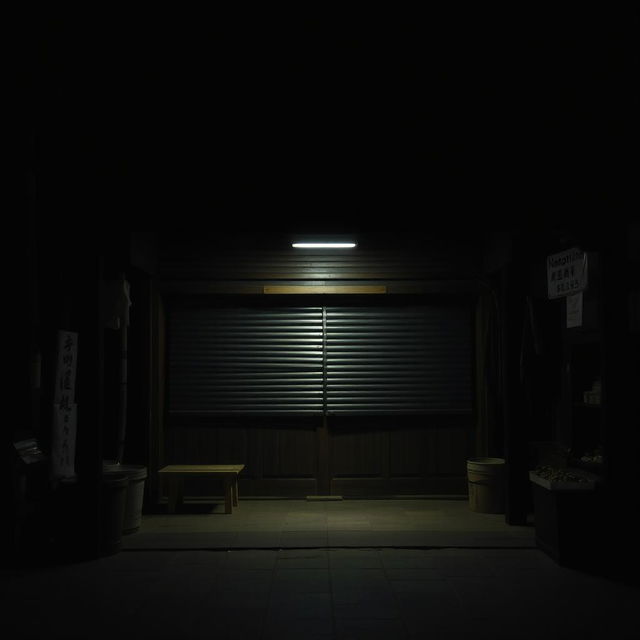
x=265, y=613
x=336, y=544
x=334, y=620
x=396, y=599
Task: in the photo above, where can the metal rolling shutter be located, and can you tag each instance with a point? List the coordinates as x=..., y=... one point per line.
x=398, y=360
x=355, y=360
x=246, y=361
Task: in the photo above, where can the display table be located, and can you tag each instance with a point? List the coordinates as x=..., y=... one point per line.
x=568, y=518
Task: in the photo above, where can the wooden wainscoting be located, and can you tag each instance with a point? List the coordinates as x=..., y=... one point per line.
x=364, y=456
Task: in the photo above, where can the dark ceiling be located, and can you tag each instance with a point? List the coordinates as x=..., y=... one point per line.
x=493, y=121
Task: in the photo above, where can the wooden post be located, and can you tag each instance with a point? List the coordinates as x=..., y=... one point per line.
x=324, y=477
x=87, y=317
x=515, y=420
x=157, y=404
x=621, y=383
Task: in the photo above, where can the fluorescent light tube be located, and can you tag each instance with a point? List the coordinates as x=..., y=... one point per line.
x=323, y=245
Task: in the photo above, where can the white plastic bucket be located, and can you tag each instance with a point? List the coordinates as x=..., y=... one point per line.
x=135, y=492
x=486, y=484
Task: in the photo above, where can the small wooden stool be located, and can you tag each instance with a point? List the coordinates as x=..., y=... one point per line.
x=176, y=473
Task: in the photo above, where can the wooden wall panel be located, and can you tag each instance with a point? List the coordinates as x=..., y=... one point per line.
x=357, y=453
x=408, y=452
x=359, y=487
x=289, y=453
x=233, y=446
x=454, y=447
x=431, y=450
x=277, y=487
x=283, y=461
x=428, y=459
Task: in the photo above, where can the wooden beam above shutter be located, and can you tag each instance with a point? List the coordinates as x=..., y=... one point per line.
x=326, y=289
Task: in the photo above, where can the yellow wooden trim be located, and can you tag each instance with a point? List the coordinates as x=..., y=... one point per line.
x=297, y=289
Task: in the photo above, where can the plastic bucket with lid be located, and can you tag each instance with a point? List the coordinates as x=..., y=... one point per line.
x=486, y=484
x=114, y=496
x=135, y=492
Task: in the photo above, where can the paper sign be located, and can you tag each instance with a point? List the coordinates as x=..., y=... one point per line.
x=566, y=273
x=574, y=310
x=63, y=444
x=65, y=380
x=63, y=441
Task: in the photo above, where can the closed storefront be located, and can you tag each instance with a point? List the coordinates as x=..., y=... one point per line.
x=367, y=397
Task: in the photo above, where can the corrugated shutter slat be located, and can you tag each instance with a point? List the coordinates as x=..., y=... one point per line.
x=398, y=360
x=407, y=360
x=246, y=361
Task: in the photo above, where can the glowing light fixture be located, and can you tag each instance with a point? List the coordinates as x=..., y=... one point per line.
x=323, y=245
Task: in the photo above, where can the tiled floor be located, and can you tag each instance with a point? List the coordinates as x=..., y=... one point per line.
x=371, y=592
x=348, y=523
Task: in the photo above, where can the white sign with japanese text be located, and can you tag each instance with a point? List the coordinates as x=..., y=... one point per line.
x=566, y=273
x=63, y=444
x=66, y=368
x=63, y=441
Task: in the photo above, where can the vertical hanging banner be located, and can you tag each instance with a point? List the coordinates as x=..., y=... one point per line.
x=67, y=353
x=63, y=442
x=566, y=273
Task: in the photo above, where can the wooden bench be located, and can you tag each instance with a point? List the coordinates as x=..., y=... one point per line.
x=176, y=473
